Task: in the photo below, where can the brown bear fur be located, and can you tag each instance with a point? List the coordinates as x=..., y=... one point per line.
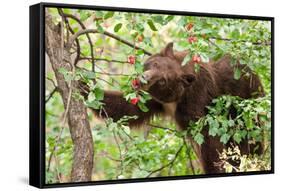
x=184, y=94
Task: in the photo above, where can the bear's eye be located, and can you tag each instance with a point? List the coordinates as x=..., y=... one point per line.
x=162, y=82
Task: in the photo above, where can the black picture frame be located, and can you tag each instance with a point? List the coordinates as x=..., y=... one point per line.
x=37, y=93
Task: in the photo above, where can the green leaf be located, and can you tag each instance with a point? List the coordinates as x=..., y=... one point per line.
x=139, y=52
x=147, y=41
x=89, y=74
x=99, y=94
x=139, y=27
x=130, y=96
x=213, y=131
x=204, y=57
x=169, y=18
x=100, y=28
x=94, y=104
x=99, y=42
x=158, y=19
x=235, y=34
x=117, y=27
x=108, y=15
x=143, y=107
x=146, y=95
x=151, y=25
x=248, y=120
x=99, y=14
x=186, y=59
x=237, y=73
x=199, y=138
x=138, y=68
x=126, y=129
x=84, y=15
x=225, y=138
x=237, y=137
x=231, y=123
x=51, y=141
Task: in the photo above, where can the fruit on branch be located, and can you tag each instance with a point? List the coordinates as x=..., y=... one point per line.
x=140, y=38
x=192, y=39
x=189, y=26
x=196, y=58
x=136, y=83
x=135, y=100
x=131, y=59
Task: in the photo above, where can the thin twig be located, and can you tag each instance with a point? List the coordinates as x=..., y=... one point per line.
x=51, y=80
x=57, y=169
x=105, y=154
x=105, y=81
x=114, y=80
x=166, y=165
x=104, y=59
x=78, y=50
x=189, y=155
x=267, y=43
x=120, y=153
x=88, y=37
x=51, y=94
x=160, y=127
x=112, y=74
x=85, y=31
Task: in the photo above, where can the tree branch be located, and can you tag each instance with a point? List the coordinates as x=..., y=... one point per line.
x=85, y=31
x=51, y=94
x=168, y=164
x=244, y=41
x=104, y=59
x=53, y=91
x=78, y=50
x=88, y=37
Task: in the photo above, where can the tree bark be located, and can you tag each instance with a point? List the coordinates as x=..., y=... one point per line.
x=75, y=109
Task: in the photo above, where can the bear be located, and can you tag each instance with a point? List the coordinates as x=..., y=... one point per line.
x=183, y=94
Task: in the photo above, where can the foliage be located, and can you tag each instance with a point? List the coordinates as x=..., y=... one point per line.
x=142, y=156
x=158, y=149
x=61, y=151
x=252, y=120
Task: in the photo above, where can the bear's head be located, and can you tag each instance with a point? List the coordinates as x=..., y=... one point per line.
x=166, y=81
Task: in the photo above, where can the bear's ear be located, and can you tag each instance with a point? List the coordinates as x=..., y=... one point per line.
x=168, y=50
x=187, y=79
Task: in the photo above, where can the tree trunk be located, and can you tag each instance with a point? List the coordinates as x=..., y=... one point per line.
x=76, y=111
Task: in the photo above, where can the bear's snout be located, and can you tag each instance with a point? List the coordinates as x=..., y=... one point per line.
x=147, y=75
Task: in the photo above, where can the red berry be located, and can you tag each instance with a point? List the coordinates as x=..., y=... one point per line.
x=196, y=58
x=135, y=100
x=189, y=26
x=192, y=39
x=140, y=38
x=131, y=59
x=136, y=83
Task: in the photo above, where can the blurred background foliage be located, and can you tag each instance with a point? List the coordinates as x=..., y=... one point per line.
x=158, y=148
